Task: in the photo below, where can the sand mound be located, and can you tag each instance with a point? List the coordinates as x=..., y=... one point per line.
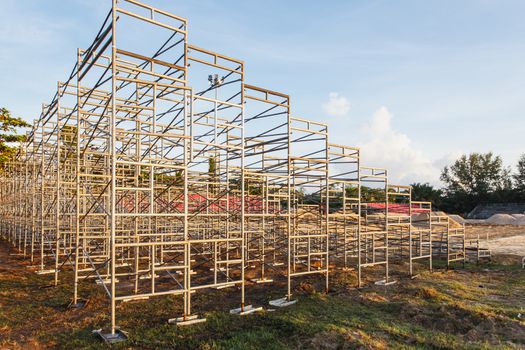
x=502, y=219
x=457, y=219
x=520, y=221
x=420, y=217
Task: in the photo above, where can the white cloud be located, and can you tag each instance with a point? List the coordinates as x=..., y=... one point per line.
x=384, y=146
x=446, y=160
x=337, y=106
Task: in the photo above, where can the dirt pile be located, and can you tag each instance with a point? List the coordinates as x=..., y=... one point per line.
x=420, y=217
x=457, y=219
x=501, y=219
x=520, y=221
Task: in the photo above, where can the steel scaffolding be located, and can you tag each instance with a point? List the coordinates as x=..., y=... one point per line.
x=156, y=170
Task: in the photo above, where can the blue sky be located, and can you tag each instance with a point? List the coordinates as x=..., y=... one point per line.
x=414, y=83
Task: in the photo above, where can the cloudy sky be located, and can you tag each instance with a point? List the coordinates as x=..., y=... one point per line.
x=414, y=83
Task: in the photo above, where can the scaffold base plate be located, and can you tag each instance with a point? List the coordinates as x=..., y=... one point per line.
x=225, y=286
x=147, y=277
x=78, y=305
x=112, y=338
x=385, y=283
x=247, y=310
x=282, y=302
x=122, y=265
x=186, y=321
x=130, y=299
x=106, y=281
x=261, y=280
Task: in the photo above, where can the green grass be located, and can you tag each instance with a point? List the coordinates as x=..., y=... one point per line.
x=475, y=308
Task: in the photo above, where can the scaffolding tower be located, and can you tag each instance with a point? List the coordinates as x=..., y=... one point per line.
x=157, y=170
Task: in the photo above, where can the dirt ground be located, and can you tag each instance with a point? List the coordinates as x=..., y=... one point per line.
x=475, y=307
x=500, y=239
x=491, y=232
x=508, y=245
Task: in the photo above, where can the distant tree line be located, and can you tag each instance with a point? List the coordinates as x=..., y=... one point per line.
x=475, y=179
x=9, y=126
x=472, y=179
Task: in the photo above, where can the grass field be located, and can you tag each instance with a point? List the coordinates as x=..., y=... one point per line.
x=480, y=307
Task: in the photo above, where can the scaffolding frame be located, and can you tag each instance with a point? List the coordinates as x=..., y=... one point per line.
x=159, y=171
x=448, y=240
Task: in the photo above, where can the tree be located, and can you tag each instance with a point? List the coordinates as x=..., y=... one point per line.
x=68, y=142
x=368, y=194
x=425, y=192
x=212, y=174
x=476, y=174
x=519, y=177
x=475, y=179
x=8, y=128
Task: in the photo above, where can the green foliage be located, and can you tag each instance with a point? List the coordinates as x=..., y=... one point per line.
x=8, y=128
x=519, y=177
x=477, y=174
x=476, y=178
x=179, y=178
x=368, y=194
x=212, y=166
x=254, y=187
x=425, y=192
x=167, y=179
x=68, y=136
x=212, y=173
x=68, y=140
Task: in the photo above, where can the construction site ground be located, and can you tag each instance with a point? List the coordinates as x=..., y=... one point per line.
x=500, y=239
x=475, y=307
